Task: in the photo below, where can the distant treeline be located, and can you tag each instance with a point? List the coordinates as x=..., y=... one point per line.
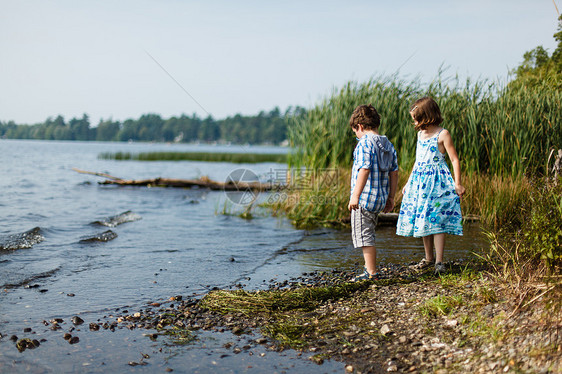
x=265, y=127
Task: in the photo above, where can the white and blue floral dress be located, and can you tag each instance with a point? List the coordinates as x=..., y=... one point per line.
x=430, y=204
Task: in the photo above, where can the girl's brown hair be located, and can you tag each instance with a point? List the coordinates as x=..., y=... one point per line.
x=365, y=115
x=425, y=112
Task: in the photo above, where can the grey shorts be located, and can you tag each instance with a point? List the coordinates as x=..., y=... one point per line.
x=363, y=223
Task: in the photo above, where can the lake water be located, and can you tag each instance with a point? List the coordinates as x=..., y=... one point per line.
x=183, y=245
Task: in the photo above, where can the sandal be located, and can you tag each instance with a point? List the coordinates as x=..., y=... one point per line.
x=366, y=276
x=440, y=268
x=423, y=264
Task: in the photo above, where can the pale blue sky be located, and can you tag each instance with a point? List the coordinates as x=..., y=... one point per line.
x=72, y=57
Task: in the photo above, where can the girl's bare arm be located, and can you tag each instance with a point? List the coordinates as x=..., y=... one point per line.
x=445, y=137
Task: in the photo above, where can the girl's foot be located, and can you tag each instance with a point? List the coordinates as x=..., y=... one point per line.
x=423, y=264
x=440, y=268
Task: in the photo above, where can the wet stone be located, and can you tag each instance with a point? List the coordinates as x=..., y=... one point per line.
x=25, y=343
x=94, y=327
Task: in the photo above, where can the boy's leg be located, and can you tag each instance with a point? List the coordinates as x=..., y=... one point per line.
x=428, y=246
x=439, y=240
x=363, y=236
x=370, y=256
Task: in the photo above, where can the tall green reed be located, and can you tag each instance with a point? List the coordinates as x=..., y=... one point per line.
x=497, y=129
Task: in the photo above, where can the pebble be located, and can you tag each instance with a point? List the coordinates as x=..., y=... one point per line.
x=452, y=323
x=384, y=330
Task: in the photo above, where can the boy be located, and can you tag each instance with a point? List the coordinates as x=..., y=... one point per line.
x=374, y=179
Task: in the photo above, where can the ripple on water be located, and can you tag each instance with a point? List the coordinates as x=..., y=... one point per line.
x=22, y=240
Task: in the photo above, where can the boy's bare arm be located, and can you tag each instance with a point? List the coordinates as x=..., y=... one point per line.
x=393, y=181
x=362, y=177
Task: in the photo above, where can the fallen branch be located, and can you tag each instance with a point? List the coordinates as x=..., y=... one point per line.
x=183, y=183
x=95, y=173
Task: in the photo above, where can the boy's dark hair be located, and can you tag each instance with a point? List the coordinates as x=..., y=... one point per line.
x=365, y=115
x=426, y=112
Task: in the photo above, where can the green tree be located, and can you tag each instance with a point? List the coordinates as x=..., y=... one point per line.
x=107, y=130
x=80, y=128
x=538, y=67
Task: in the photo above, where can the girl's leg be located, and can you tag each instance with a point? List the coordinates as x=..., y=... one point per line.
x=439, y=240
x=428, y=246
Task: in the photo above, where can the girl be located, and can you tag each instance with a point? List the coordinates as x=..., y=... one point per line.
x=431, y=203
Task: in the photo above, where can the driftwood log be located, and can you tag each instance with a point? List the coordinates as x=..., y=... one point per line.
x=183, y=183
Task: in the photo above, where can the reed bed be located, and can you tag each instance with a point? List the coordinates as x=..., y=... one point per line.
x=499, y=130
x=251, y=158
x=502, y=133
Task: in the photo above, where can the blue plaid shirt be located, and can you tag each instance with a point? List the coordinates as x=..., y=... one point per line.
x=375, y=192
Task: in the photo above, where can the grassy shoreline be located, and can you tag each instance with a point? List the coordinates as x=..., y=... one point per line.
x=464, y=321
x=196, y=156
x=506, y=172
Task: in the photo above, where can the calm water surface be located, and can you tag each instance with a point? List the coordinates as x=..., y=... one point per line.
x=183, y=245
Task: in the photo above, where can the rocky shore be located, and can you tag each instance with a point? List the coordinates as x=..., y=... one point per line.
x=408, y=322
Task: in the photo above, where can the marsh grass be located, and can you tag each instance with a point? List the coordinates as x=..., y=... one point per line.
x=535, y=239
x=441, y=305
x=496, y=200
x=247, y=212
x=324, y=203
x=453, y=280
x=490, y=330
x=304, y=298
x=251, y=158
x=180, y=336
x=288, y=332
